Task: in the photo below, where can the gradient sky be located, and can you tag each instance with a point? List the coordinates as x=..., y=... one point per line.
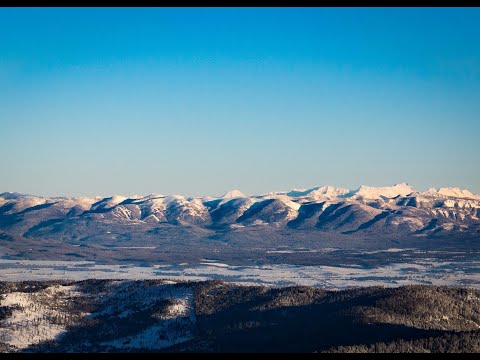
x=202, y=101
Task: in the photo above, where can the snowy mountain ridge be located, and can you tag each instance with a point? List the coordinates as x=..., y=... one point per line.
x=368, y=209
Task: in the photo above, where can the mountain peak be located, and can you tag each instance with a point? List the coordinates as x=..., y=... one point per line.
x=327, y=190
x=11, y=195
x=233, y=194
x=301, y=192
x=456, y=192
x=374, y=192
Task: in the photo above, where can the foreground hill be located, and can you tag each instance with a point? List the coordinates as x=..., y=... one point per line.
x=212, y=316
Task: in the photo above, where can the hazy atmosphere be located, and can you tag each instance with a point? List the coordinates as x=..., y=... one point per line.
x=202, y=101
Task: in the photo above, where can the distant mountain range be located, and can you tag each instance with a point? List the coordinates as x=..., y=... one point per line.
x=370, y=211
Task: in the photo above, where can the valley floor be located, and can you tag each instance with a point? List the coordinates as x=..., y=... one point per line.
x=335, y=269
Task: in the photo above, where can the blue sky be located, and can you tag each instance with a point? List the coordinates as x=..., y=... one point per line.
x=202, y=101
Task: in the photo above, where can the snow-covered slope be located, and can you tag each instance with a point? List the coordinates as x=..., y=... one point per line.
x=39, y=314
x=376, y=210
x=233, y=194
x=318, y=192
x=456, y=192
x=371, y=192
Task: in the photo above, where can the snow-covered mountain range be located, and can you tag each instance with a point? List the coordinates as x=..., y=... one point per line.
x=370, y=210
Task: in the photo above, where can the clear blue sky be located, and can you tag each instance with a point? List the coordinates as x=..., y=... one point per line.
x=201, y=101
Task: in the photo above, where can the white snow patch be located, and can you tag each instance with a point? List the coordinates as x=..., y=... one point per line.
x=32, y=324
x=135, y=247
x=233, y=194
x=456, y=192
x=214, y=264
x=371, y=192
x=173, y=328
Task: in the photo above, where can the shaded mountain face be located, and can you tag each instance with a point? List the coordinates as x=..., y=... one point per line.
x=367, y=211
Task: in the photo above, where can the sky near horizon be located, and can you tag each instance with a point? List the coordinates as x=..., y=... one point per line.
x=199, y=101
